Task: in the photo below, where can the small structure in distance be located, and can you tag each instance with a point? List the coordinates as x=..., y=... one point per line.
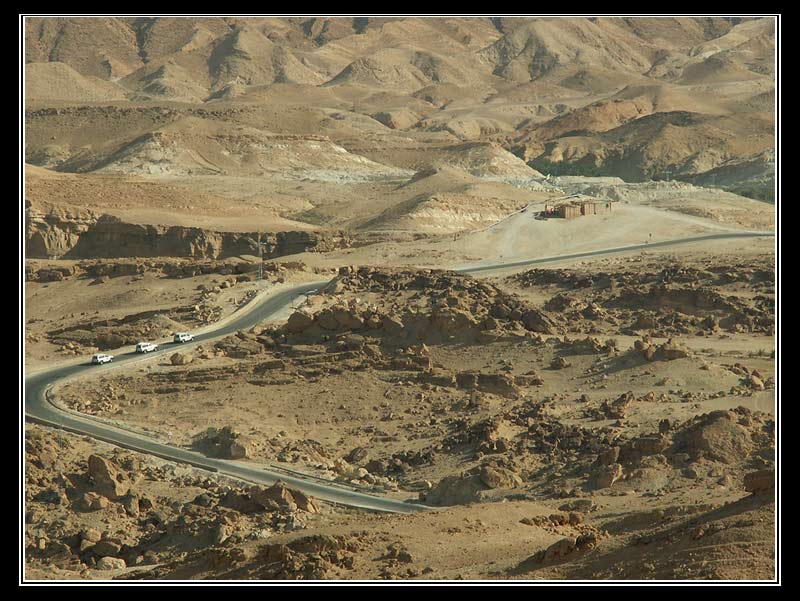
x=571, y=210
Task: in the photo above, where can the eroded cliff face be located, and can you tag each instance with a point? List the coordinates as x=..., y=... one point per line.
x=53, y=233
x=110, y=237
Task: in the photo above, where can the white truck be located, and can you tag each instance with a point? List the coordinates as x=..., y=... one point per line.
x=146, y=347
x=182, y=337
x=100, y=358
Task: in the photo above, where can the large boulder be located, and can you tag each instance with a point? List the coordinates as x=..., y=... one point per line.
x=180, y=359
x=560, y=549
x=607, y=475
x=90, y=502
x=672, y=349
x=236, y=449
x=107, y=547
x=392, y=325
x=326, y=320
x=618, y=408
x=107, y=479
x=538, y=321
x=347, y=318
x=456, y=490
x=287, y=499
x=305, y=502
x=451, y=322
x=299, y=321
x=717, y=436
x=226, y=443
x=110, y=563
x=498, y=477
x=276, y=497
x=761, y=482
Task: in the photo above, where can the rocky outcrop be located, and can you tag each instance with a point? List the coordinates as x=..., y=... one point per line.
x=181, y=359
x=78, y=234
x=111, y=563
x=456, y=490
x=241, y=269
x=226, y=443
x=761, y=482
x=314, y=557
x=112, y=237
x=607, y=475
x=108, y=480
x=452, y=307
x=668, y=351
x=55, y=231
x=498, y=477
x=279, y=497
x=566, y=547
x=718, y=436
x=473, y=486
x=126, y=510
x=294, y=242
x=660, y=301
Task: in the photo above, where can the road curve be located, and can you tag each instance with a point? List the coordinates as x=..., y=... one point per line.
x=38, y=408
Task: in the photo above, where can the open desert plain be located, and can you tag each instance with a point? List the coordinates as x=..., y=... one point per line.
x=466, y=299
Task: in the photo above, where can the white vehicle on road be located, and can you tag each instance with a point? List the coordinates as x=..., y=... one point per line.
x=182, y=337
x=100, y=358
x=146, y=347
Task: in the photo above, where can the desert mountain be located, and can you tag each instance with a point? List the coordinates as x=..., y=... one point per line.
x=643, y=98
x=49, y=82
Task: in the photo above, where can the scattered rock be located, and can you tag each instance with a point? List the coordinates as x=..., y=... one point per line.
x=107, y=548
x=497, y=477
x=607, y=475
x=181, y=359
x=761, y=482
x=226, y=443
x=579, y=505
x=110, y=563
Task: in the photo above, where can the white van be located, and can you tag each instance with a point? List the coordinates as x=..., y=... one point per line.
x=146, y=347
x=100, y=358
x=182, y=337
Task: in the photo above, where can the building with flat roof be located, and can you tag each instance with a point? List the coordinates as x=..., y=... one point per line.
x=576, y=209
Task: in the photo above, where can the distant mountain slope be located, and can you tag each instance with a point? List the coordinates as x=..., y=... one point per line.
x=47, y=82
x=633, y=97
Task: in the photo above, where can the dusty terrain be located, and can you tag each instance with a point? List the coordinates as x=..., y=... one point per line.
x=610, y=415
x=621, y=408
x=115, y=514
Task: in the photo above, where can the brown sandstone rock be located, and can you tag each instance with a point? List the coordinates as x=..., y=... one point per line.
x=761, y=482
x=108, y=480
x=498, y=477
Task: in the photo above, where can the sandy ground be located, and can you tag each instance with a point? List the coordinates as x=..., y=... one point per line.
x=523, y=237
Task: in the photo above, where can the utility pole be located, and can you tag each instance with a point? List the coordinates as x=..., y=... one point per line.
x=260, y=259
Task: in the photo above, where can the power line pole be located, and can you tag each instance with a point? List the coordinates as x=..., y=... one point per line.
x=260, y=259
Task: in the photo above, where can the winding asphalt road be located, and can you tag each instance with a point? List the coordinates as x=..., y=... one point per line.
x=39, y=409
